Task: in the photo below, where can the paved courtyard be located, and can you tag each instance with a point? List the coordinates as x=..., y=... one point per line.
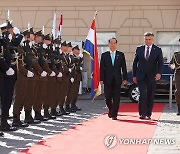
x=168, y=127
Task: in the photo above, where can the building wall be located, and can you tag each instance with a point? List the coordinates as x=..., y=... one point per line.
x=128, y=18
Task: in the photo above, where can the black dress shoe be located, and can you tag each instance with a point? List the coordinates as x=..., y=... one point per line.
x=38, y=116
x=49, y=116
x=109, y=115
x=76, y=108
x=18, y=123
x=178, y=113
x=142, y=117
x=114, y=118
x=30, y=120
x=7, y=127
x=1, y=134
x=70, y=110
x=63, y=112
x=148, y=118
x=55, y=113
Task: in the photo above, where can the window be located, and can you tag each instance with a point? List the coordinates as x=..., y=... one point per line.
x=102, y=41
x=169, y=43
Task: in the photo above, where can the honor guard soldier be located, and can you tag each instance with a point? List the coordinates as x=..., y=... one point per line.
x=72, y=74
x=74, y=89
x=12, y=39
x=175, y=64
x=20, y=87
x=66, y=81
x=51, y=91
x=34, y=72
x=42, y=83
x=3, y=65
x=58, y=70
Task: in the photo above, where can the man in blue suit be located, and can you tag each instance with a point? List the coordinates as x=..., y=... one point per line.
x=147, y=69
x=113, y=73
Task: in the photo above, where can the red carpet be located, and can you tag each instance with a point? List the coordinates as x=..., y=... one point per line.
x=88, y=138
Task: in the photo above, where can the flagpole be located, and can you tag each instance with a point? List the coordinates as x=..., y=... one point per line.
x=95, y=14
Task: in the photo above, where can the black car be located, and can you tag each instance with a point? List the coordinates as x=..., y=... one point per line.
x=162, y=88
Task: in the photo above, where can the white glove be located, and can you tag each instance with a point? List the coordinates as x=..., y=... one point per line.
x=45, y=46
x=72, y=80
x=59, y=75
x=70, y=70
x=30, y=74
x=10, y=37
x=172, y=66
x=81, y=68
x=10, y=71
x=43, y=74
x=53, y=73
x=30, y=44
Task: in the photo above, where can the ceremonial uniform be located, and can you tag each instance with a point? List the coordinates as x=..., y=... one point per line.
x=42, y=84
x=74, y=88
x=20, y=90
x=34, y=71
x=12, y=40
x=175, y=64
x=66, y=79
x=58, y=83
x=51, y=90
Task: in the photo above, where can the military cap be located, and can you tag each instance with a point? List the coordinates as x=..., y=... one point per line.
x=31, y=31
x=76, y=47
x=69, y=44
x=39, y=33
x=64, y=43
x=9, y=24
x=25, y=32
x=3, y=26
x=47, y=37
x=56, y=41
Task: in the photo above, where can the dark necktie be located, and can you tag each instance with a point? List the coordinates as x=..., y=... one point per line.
x=147, y=53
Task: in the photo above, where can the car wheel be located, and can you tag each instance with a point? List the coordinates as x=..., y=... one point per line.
x=134, y=93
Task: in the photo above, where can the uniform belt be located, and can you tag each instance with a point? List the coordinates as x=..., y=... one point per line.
x=48, y=61
x=57, y=62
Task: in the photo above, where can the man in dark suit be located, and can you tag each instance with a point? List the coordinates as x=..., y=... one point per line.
x=147, y=69
x=112, y=72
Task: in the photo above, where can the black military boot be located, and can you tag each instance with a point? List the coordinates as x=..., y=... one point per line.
x=5, y=126
x=74, y=107
x=68, y=109
x=18, y=123
x=1, y=134
x=48, y=115
x=29, y=119
x=55, y=113
x=63, y=112
x=178, y=105
x=38, y=116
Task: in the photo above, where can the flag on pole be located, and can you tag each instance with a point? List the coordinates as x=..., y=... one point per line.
x=60, y=26
x=90, y=47
x=54, y=26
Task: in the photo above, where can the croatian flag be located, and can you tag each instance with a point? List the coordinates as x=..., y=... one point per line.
x=60, y=26
x=90, y=47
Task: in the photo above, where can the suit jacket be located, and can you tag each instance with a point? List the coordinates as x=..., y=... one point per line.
x=108, y=71
x=150, y=68
x=3, y=67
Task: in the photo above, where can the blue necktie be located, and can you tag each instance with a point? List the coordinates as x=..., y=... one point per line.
x=112, y=57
